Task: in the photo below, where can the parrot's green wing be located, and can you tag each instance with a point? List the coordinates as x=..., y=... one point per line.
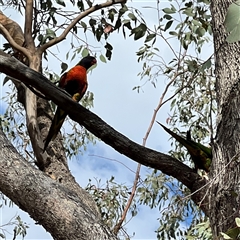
x=200, y=154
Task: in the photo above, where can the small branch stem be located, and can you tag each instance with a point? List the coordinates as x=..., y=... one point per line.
x=76, y=20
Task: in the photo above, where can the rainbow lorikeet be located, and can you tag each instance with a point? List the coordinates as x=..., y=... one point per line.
x=200, y=154
x=75, y=83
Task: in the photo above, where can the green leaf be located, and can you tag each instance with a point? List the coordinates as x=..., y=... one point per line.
x=196, y=22
x=108, y=46
x=206, y=65
x=73, y=56
x=60, y=2
x=189, y=12
x=122, y=10
x=92, y=22
x=40, y=38
x=139, y=31
x=127, y=24
x=232, y=22
x=168, y=17
x=6, y=79
x=84, y=25
x=233, y=233
x=80, y=5
x=169, y=10
x=150, y=37
x=237, y=220
x=200, y=31
x=89, y=3
x=50, y=33
x=168, y=25
x=234, y=35
x=2, y=236
x=225, y=236
x=64, y=67
x=99, y=32
x=233, y=16
x=173, y=33
x=118, y=24
x=85, y=52
x=108, y=55
x=111, y=14
x=132, y=16
x=102, y=58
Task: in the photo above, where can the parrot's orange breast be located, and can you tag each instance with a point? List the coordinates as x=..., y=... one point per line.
x=78, y=73
x=75, y=80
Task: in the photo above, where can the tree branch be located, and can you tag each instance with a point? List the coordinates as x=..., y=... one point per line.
x=12, y=42
x=76, y=20
x=102, y=130
x=28, y=25
x=13, y=28
x=118, y=226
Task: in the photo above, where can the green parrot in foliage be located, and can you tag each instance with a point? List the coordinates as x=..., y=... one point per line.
x=200, y=154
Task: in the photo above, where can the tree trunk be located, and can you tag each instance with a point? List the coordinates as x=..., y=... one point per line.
x=225, y=174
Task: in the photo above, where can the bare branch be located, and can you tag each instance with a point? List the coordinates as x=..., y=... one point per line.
x=128, y=205
x=13, y=43
x=76, y=20
x=28, y=25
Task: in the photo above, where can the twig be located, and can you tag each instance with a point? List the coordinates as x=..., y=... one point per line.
x=161, y=103
x=77, y=19
x=134, y=188
x=111, y=159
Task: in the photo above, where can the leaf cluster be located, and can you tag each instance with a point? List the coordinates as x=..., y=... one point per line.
x=111, y=199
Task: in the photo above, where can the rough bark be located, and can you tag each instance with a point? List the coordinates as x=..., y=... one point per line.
x=57, y=208
x=225, y=190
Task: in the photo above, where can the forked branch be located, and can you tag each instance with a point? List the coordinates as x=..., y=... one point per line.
x=77, y=19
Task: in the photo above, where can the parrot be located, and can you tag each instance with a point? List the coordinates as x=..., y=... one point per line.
x=200, y=154
x=75, y=83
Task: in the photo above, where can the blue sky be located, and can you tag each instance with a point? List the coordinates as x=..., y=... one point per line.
x=125, y=110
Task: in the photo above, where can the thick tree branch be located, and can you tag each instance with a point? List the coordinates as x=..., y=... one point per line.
x=76, y=20
x=106, y=133
x=57, y=208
